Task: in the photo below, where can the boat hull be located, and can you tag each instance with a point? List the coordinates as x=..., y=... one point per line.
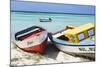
x=82, y=49
x=76, y=49
x=39, y=48
x=34, y=39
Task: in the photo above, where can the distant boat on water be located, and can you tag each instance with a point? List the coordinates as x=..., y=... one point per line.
x=45, y=20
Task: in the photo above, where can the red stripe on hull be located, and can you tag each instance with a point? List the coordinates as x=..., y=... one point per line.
x=36, y=49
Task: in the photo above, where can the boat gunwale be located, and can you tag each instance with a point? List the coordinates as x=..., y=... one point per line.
x=52, y=40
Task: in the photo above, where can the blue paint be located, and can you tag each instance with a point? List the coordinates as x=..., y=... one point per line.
x=51, y=7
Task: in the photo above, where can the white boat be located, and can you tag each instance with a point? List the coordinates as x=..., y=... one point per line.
x=45, y=20
x=85, y=47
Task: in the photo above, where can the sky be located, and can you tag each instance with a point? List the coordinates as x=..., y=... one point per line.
x=84, y=2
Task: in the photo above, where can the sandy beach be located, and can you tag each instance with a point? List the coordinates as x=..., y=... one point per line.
x=50, y=56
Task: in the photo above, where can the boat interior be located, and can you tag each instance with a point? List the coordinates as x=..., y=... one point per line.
x=62, y=37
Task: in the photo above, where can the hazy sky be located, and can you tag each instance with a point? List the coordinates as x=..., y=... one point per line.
x=87, y=2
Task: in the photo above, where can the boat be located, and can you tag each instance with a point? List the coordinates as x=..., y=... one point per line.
x=32, y=39
x=75, y=40
x=45, y=20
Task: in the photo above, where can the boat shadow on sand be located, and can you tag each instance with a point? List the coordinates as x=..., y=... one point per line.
x=52, y=51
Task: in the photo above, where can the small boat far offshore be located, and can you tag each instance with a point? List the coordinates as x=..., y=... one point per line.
x=33, y=39
x=45, y=20
x=76, y=40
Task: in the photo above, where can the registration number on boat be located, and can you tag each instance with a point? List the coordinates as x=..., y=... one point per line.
x=87, y=49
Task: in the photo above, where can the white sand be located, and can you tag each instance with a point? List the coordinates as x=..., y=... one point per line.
x=19, y=57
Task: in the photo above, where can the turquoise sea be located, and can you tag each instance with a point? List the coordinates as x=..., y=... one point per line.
x=22, y=20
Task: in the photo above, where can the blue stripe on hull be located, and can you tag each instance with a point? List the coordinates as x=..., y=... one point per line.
x=86, y=42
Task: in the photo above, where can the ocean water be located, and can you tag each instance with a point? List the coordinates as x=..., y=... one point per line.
x=23, y=20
